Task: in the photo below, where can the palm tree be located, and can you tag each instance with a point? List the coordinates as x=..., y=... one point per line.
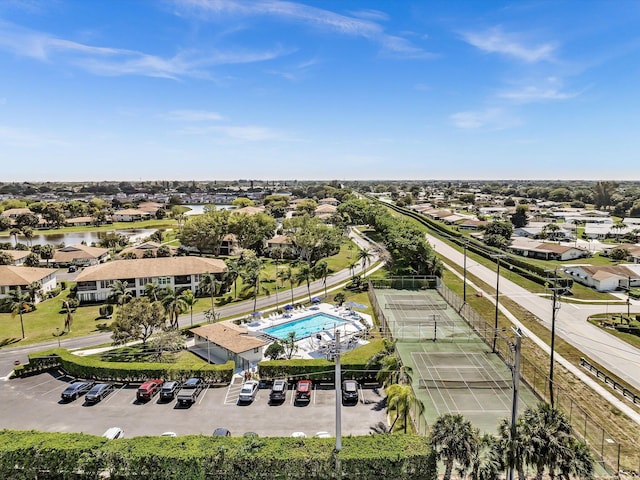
x=68, y=319
x=393, y=371
x=364, y=255
x=453, y=439
x=578, y=461
x=487, y=463
x=321, y=271
x=252, y=280
x=19, y=304
x=28, y=234
x=304, y=275
x=35, y=291
x=547, y=431
x=231, y=275
x=46, y=252
x=151, y=290
x=14, y=233
x=514, y=453
x=189, y=300
x=402, y=399
x=173, y=305
x=286, y=275
x=120, y=293
x=209, y=284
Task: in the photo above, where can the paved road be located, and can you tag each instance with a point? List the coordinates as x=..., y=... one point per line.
x=9, y=355
x=616, y=355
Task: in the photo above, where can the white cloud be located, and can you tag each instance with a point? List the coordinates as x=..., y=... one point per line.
x=251, y=133
x=348, y=25
x=509, y=44
x=488, y=119
x=533, y=94
x=192, y=116
x=115, y=62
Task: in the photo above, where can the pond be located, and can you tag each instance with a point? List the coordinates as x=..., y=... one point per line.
x=74, y=238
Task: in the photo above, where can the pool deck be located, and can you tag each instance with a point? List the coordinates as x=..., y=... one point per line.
x=353, y=331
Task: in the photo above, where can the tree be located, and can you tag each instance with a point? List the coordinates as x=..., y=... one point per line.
x=393, y=371
x=550, y=231
x=519, y=218
x=68, y=319
x=163, y=251
x=304, y=275
x=307, y=206
x=120, y=293
x=252, y=231
x=5, y=258
x=252, y=279
x=137, y=320
x=28, y=234
x=486, y=463
x=35, y=291
x=311, y=238
x=242, y=202
x=46, y=252
x=514, y=449
x=210, y=285
x=151, y=290
x=32, y=260
x=453, y=439
x=289, y=345
x=19, y=304
x=364, y=255
x=274, y=351
x=205, y=232
x=321, y=272
x=53, y=213
x=401, y=399
x=286, y=275
x=27, y=220
x=339, y=298
x=602, y=193
x=173, y=305
x=578, y=461
x=190, y=301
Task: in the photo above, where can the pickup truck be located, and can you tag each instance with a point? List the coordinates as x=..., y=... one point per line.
x=190, y=390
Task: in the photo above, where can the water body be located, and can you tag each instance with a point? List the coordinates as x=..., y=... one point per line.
x=74, y=238
x=199, y=209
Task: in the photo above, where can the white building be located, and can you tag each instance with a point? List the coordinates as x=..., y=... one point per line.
x=94, y=283
x=12, y=277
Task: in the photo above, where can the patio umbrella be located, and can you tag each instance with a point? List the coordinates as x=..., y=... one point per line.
x=356, y=305
x=256, y=314
x=316, y=299
x=288, y=307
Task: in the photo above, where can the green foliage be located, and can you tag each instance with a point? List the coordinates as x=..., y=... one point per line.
x=27, y=455
x=86, y=367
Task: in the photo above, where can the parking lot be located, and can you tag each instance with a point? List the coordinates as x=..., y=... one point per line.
x=34, y=403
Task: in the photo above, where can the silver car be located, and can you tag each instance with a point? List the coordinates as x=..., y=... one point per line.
x=248, y=392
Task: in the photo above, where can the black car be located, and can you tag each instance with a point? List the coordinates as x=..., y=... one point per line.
x=169, y=390
x=221, y=432
x=349, y=392
x=98, y=392
x=76, y=389
x=279, y=391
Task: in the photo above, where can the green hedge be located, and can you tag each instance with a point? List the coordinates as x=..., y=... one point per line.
x=85, y=367
x=353, y=363
x=29, y=455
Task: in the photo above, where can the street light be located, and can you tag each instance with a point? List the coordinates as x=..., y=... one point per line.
x=515, y=377
x=58, y=335
x=495, y=324
x=555, y=307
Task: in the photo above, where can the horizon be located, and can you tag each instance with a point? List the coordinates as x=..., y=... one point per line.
x=491, y=91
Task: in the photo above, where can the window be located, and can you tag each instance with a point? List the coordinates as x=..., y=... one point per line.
x=164, y=281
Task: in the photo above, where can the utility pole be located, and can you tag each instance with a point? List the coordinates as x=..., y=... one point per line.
x=464, y=286
x=515, y=377
x=495, y=325
x=338, y=382
x=555, y=307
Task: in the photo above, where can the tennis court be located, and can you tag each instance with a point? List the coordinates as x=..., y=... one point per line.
x=453, y=369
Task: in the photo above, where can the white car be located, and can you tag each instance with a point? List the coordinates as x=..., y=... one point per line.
x=169, y=434
x=322, y=435
x=299, y=435
x=248, y=392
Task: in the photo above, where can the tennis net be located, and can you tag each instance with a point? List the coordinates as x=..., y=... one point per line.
x=415, y=306
x=470, y=384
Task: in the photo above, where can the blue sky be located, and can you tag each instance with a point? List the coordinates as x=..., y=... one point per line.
x=344, y=89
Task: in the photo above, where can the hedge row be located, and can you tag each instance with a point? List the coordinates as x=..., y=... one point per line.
x=66, y=456
x=353, y=363
x=85, y=367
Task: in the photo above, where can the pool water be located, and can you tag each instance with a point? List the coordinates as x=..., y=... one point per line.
x=305, y=327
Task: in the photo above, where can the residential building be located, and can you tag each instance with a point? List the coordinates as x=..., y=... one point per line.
x=94, y=283
x=81, y=255
x=139, y=250
x=130, y=215
x=605, y=278
x=12, y=277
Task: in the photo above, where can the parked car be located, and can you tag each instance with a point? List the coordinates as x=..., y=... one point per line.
x=169, y=434
x=248, y=392
x=168, y=390
x=98, y=392
x=73, y=268
x=279, y=391
x=221, y=432
x=113, y=433
x=349, y=392
x=322, y=435
x=76, y=389
x=303, y=391
x=148, y=389
x=190, y=390
x=299, y=435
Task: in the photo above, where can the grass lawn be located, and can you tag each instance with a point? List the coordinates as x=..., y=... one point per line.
x=40, y=325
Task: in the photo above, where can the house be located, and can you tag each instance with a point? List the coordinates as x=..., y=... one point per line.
x=472, y=224
x=229, y=245
x=284, y=243
x=14, y=213
x=81, y=255
x=226, y=341
x=328, y=201
x=548, y=251
x=12, y=277
x=602, y=231
x=325, y=211
x=19, y=256
x=150, y=207
x=249, y=210
x=79, y=221
x=130, y=215
x=139, y=250
x=605, y=278
x=94, y=283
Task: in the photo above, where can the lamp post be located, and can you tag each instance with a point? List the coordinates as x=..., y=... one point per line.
x=629, y=299
x=495, y=324
x=338, y=382
x=464, y=286
x=58, y=335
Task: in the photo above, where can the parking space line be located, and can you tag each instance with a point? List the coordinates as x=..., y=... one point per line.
x=204, y=393
x=234, y=395
x=110, y=396
x=361, y=394
x=313, y=393
x=41, y=383
x=57, y=387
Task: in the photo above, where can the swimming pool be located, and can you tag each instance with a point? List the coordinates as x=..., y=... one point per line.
x=305, y=327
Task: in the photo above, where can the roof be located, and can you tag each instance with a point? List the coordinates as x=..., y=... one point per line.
x=604, y=271
x=229, y=336
x=72, y=252
x=131, y=211
x=326, y=209
x=12, y=276
x=280, y=240
x=151, y=267
x=15, y=211
x=18, y=254
x=139, y=250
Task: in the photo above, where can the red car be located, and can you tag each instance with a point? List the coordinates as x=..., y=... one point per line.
x=303, y=391
x=148, y=389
